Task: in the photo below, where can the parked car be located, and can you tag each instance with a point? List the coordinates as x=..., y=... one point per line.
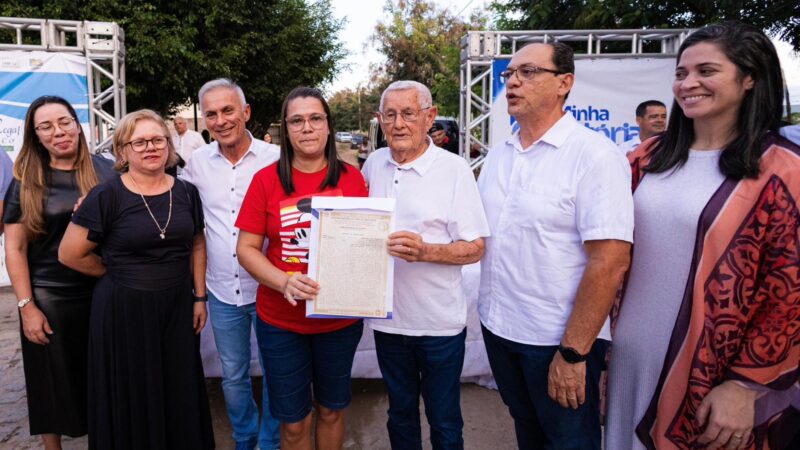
x=356, y=141
x=343, y=136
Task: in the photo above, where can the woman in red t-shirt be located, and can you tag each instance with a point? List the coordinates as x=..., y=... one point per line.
x=299, y=352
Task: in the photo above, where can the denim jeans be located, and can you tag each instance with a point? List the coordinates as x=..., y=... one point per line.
x=232, y=325
x=520, y=371
x=298, y=364
x=427, y=365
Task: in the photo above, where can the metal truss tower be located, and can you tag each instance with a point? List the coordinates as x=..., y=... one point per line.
x=103, y=46
x=480, y=48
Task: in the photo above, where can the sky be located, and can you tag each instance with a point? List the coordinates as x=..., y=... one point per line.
x=362, y=16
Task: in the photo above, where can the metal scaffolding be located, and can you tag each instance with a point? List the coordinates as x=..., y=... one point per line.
x=103, y=46
x=480, y=48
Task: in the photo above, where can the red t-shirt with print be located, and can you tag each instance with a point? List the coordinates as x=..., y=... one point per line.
x=286, y=222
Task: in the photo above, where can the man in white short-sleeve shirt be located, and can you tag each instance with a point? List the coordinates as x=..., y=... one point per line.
x=442, y=225
x=222, y=171
x=186, y=141
x=558, y=200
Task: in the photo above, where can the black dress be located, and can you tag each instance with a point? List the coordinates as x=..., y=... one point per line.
x=55, y=374
x=145, y=373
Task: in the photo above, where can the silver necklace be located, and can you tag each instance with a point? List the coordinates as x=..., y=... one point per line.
x=163, y=231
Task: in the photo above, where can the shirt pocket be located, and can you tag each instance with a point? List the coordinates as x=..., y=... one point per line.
x=545, y=208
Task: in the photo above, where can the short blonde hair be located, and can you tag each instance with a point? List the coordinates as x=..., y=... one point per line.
x=125, y=129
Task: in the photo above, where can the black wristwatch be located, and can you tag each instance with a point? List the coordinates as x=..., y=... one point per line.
x=203, y=298
x=571, y=355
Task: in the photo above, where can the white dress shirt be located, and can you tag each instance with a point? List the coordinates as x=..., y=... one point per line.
x=222, y=186
x=187, y=143
x=437, y=198
x=543, y=202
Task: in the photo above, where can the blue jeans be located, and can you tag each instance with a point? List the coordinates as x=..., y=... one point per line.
x=232, y=325
x=520, y=371
x=299, y=363
x=427, y=365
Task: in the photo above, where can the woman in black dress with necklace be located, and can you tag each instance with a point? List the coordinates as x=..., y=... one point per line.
x=53, y=169
x=146, y=383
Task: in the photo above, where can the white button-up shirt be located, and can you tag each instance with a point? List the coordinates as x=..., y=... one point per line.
x=222, y=186
x=437, y=198
x=543, y=202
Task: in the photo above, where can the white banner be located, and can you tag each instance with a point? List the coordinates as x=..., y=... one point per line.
x=604, y=97
x=25, y=76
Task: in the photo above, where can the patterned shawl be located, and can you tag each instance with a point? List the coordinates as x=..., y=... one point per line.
x=740, y=314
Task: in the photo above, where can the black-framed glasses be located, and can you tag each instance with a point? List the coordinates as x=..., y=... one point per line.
x=48, y=128
x=140, y=145
x=408, y=115
x=526, y=72
x=316, y=121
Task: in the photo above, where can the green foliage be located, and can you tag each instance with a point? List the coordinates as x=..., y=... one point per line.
x=776, y=17
x=422, y=43
x=174, y=46
x=353, y=110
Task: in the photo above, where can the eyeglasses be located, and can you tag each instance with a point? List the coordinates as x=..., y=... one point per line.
x=297, y=123
x=140, y=145
x=48, y=128
x=527, y=72
x=408, y=115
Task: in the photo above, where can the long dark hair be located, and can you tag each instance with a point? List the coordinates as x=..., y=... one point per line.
x=32, y=167
x=754, y=55
x=335, y=166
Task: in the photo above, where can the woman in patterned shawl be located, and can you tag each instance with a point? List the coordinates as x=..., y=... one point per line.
x=707, y=336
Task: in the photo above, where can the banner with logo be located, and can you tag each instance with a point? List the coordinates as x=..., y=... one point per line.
x=25, y=76
x=604, y=97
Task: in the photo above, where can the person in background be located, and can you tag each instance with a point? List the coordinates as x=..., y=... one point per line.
x=441, y=226
x=267, y=137
x=651, y=117
x=222, y=172
x=186, y=141
x=146, y=383
x=53, y=170
x=441, y=139
x=706, y=343
x=557, y=197
x=300, y=354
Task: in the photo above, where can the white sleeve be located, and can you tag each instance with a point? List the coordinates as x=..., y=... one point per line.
x=467, y=220
x=604, y=203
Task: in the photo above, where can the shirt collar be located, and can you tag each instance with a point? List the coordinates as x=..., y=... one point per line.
x=254, y=148
x=554, y=137
x=420, y=165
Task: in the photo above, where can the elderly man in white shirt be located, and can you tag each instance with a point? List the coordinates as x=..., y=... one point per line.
x=558, y=199
x=222, y=171
x=186, y=141
x=421, y=348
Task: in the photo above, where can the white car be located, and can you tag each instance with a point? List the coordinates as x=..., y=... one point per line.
x=343, y=136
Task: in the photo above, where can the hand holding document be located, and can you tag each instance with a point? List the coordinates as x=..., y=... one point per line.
x=348, y=257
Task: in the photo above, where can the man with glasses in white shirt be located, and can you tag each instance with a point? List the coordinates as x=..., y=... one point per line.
x=442, y=226
x=558, y=200
x=222, y=171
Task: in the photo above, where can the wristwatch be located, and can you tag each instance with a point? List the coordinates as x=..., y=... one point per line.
x=571, y=355
x=21, y=304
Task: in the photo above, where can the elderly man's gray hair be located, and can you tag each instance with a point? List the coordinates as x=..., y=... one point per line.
x=423, y=93
x=220, y=83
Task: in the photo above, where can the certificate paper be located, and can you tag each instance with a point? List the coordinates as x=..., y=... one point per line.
x=348, y=257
